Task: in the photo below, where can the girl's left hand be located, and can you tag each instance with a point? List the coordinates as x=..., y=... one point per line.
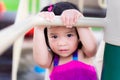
x=70, y=17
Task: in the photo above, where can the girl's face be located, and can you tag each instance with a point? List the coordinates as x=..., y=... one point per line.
x=63, y=41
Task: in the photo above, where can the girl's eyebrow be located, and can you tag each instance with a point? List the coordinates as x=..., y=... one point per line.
x=52, y=34
x=71, y=31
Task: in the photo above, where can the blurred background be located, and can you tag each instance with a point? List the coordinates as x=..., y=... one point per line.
x=27, y=68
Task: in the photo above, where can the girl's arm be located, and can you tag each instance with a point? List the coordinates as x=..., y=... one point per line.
x=40, y=49
x=88, y=41
x=69, y=18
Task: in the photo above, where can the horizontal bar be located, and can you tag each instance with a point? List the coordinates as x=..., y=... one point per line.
x=11, y=33
x=82, y=22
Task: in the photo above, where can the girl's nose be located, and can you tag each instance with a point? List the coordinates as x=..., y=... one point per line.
x=62, y=42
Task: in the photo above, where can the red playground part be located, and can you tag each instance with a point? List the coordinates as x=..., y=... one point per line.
x=30, y=33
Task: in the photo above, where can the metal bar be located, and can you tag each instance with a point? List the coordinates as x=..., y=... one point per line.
x=22, y=13
x=20, y=28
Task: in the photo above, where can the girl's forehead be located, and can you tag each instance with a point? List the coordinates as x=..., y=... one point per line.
x=60, y=28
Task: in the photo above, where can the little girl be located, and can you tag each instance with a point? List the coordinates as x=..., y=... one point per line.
x=66, y=51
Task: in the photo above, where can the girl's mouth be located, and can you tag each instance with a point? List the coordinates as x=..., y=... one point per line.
x=63, y=50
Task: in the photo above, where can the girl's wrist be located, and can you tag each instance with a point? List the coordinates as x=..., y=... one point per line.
x=40, y=28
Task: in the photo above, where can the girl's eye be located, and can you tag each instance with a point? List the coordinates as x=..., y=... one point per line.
x=69, y=35
x=54, y=36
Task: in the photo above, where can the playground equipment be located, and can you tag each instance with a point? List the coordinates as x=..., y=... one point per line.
x=102, y=3
x=111, y=27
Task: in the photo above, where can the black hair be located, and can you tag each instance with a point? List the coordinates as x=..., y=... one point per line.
x=57, y=9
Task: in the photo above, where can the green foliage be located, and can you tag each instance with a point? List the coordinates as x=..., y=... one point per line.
x=11, y=5
x=97, y=28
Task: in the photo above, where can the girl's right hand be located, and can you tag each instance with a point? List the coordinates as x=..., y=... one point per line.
x=47, y=15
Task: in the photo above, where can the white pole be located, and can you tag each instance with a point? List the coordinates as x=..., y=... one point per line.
x=112, y=29
x=34, y=6
x=81, y=5
x=21, y=14
x=111, y=64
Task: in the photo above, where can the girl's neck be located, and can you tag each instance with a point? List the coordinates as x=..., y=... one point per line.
x=66, y=59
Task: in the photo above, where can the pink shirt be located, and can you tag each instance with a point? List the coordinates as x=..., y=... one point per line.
x=73, y=70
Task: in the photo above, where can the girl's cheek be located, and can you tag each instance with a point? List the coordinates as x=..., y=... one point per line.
x=52, y=41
